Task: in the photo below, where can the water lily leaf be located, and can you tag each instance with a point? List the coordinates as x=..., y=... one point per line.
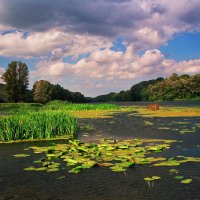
x=156, y=177
x=53, y=170
x=186, y=181
x=123, y=147
x=148, y=179
x=51, y=155
x=88, y=164
x=29, y=169
x=127, y=164
x=178, y=177
x=168, y=163
x=40, y=169
x=117, y=168
x=71, y=162
x=21, y=155
x=110, y=148
x=174, y=171
x=76, y=169
x=109, y=154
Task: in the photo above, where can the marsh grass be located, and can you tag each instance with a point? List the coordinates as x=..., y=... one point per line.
x=37, y=125
x=13, y=108
x=64, y=105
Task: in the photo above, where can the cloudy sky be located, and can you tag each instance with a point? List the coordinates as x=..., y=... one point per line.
x=99, y=46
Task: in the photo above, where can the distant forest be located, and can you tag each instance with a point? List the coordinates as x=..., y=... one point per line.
x=183, y=87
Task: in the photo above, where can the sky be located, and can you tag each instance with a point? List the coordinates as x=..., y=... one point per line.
x=101, y=46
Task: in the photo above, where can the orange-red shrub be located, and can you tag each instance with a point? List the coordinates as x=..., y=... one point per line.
x=154, y=106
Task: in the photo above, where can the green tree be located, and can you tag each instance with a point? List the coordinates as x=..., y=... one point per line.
x=16, y=79
x=42, y=91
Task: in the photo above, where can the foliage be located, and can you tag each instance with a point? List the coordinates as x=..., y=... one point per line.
x=2, y=93
x=174, y=88
x=117, y=155
x=37, y=125
x=64, y=105
x=42, y=91
x=136, y=93
x=16, y=79
x=14, y=108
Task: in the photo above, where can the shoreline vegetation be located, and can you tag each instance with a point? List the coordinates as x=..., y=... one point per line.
x=23, y=121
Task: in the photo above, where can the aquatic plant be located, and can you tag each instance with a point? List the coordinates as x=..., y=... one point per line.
x=150, y=180
x=37, y=125
x=73, y=106
x=117, y=155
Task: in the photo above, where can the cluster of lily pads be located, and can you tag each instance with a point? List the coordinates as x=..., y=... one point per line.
x=183, y=127
x=116, y=155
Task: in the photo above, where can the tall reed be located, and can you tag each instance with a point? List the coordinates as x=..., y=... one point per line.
x=37, y=125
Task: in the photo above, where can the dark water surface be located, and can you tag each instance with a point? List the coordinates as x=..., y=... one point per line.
x=101, y=183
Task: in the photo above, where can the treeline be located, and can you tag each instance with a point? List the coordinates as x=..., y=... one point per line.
x=175, y=87
x=43, y=92
x=16, y=89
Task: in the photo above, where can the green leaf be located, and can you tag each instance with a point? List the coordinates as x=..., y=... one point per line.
x=178, y=177
x=76, y=170
x=21, y=155
x=186, y=181
x=156, y=177
x=117, y=168
x=123, y=147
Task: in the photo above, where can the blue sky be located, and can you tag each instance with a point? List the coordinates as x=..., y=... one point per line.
x=184, y=46
x=101, y=46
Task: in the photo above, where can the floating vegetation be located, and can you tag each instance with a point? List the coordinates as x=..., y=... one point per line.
x=179, y=177
x=174, y=171
x=164, y=111
x=186, y=181
x=163, y=128
x=21, y=155
x=150, y=180
x=116, y=155
x=174, y=162
x=86, y=127
x=148, y=123
x=183, y=123
x=184, y=131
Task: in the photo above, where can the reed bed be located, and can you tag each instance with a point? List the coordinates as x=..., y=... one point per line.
x=37, y=125
x=57, y=105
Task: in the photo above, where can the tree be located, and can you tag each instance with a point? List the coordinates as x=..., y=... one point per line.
x=42, y=91
x=16, y=79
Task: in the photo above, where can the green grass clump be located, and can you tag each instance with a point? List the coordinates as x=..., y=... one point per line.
x=13, y=108
x=37, y=125
x=64, y=105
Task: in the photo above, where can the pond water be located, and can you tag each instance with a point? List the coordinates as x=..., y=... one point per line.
x=101, y=183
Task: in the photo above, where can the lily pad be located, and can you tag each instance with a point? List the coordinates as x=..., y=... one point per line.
x=21, y=155
x=186, y=181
